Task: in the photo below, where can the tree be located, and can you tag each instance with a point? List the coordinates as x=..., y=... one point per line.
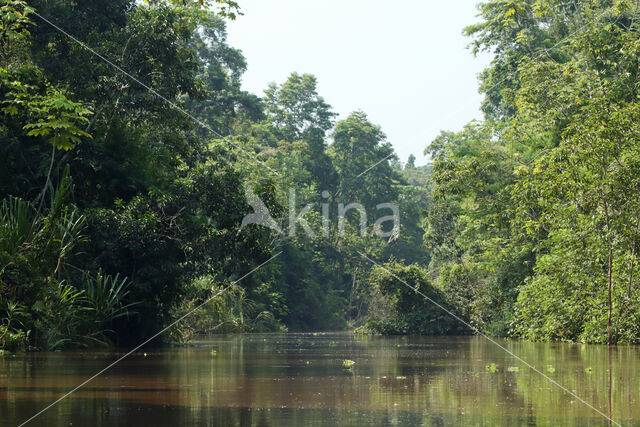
x=411, y=162
x=589, y=181
x=537, y=203
x=358, y=145
x=295, y=108
x=155, y=204
x=296, y=112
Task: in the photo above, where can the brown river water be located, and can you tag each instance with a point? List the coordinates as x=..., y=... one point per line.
x=299, y=380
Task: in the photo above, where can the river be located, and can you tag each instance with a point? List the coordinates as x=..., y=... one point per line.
x=299, y=379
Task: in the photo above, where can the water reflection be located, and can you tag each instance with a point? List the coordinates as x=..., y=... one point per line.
x=298, y=379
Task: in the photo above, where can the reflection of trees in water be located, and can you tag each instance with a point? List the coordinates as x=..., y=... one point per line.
x=297, y=379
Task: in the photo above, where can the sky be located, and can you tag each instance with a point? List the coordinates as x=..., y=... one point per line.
x=404, y=63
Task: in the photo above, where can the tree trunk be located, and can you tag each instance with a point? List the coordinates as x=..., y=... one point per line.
x=633, y=258
x=609, y=297
x=609, y=271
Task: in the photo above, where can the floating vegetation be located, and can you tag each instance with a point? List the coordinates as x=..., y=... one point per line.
x=348, y=364
x=588, y=370
x=214, y=353
x=491, y=368
x=550, y=369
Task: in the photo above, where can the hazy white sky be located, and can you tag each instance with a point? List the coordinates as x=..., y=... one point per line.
x=404, y=63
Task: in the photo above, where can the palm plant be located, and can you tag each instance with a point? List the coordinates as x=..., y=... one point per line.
x=105, y=297
x=11, y=336
x=231, y=311
x=16, y=224
x=228, y=310
x=35, y=250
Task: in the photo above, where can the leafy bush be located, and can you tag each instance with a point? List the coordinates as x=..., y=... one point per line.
x=410, y=312
x=57, y=307
x=228, y=311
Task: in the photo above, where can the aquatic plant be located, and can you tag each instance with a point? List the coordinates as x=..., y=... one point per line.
x=348, y=364
x=361, y=330
x=491, y=368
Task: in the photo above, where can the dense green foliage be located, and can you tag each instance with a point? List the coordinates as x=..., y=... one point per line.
x=148, y=178
x=409, y=303
x=154, y=204
x=123, y=198
x=535, y=221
